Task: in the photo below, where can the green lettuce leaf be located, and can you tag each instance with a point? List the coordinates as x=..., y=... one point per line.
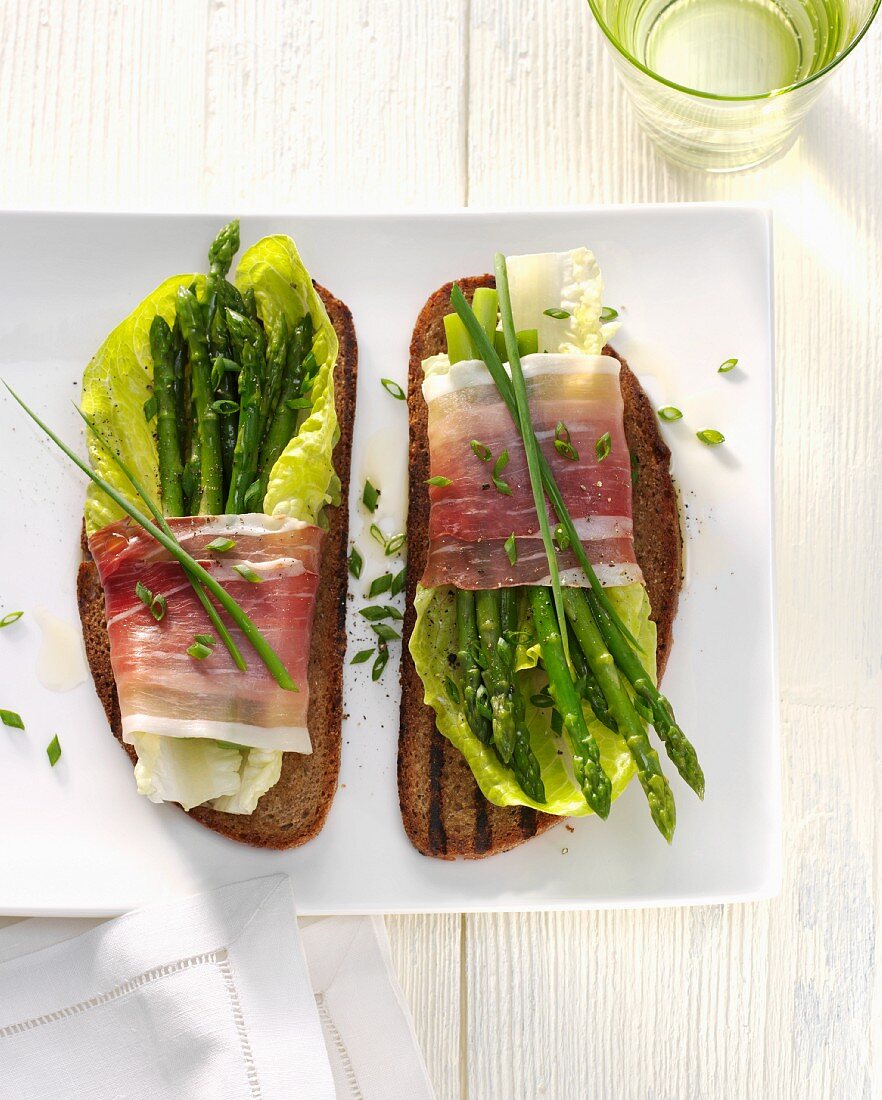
x=434, y=638
x=303, y=480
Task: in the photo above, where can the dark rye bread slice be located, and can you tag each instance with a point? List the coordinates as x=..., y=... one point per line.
x=294, y=810
x=444, y=813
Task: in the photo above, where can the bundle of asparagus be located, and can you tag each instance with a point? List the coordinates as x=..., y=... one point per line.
x=227, y=393
x=590, y=658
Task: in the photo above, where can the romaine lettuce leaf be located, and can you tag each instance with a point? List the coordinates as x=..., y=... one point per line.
x=303, y=480
x=434, y=638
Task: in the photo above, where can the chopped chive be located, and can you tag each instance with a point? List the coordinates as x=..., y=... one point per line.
x=511, y=548
x=711, y=437
x=635, y=468
x=483, y=452
x=370, y=496
x=395, y=543
x=375, y=612
x=11, y=618
x=53, y=751
x=378, y=536
x=557, y=314
x=724, y=368
x=399, y=581
x=157, y=605
x=603, y=446
x=669, y=413
x=562, y=432
x=206, y=639
x=151, y=405
x=566, y=450
x=356, y=562
x=10, y=718
x=247, y=573
x=385, y=632
x=199, y=651
x=380, y=584
x=380, y=662
x=224, y=406
x=608, y=314
x=451, y=689
x=221, y=545
x=362, y=656
x=498, y=466
x=561, y=537
x=439, y=481
x=392, y=388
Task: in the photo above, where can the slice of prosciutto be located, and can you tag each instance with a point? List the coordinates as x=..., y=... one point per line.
x=165, y=691
x=573, y=397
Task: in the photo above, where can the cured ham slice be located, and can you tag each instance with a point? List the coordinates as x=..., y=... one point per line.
x=162, y=690
x=470, y=519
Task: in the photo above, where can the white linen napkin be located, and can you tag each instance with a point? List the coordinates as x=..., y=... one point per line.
x=209, y=996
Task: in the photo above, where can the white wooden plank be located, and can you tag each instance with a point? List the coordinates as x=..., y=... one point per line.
x=772, y=999
x=426, y=953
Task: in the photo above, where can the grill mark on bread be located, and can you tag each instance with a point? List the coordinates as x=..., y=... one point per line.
x=657, y=544
x=295, y=809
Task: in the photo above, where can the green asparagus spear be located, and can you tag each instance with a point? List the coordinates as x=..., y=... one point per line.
x=251, y=383
x=161, y=350
x=473, y=690
x=249, y=304
x=211, y=469
x=523, y=760
x=284, y=421
x=276, y=361
x=220, y=257
x=179, y=361
x=588, y=685
x=497, y=671
x=592, y=779
x=652, y=779
x=677, y=745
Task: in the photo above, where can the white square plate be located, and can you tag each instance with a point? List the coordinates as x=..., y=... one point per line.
x=692, y=285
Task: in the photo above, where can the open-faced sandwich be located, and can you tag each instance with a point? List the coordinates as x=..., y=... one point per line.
x=544, y=566
x=212, y=594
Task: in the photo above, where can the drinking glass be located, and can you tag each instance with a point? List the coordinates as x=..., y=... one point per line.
x=723, y=84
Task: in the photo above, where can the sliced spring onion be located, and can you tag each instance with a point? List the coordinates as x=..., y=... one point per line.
x=11, y=618
x=362, y=656
x=370, y=496
x=247, y=573
x=53, y=751
x=566, y=450
x=10, y=718
x=296, y=403
x=378, y=536
x=157, y=604
x=608, y=314
x=451, y=689
x=669, y=412
x=398, y=582
x=511, y=549
x=221, y=545
x=603, y=446
x=481, y=450
x=557, y=314
x=439, y=481
x=380, y=662
x=225, y=406
x=711, y=437
x=206, y=639
x=151, y=406
x=356, y=563
x=395, y=543
x=724, y=368
x=199, y=651
x=541, y=700
x=380, y=585
x=392, y=388
x=385, y=632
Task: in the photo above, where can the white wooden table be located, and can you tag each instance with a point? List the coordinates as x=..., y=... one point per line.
x=386, y=104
